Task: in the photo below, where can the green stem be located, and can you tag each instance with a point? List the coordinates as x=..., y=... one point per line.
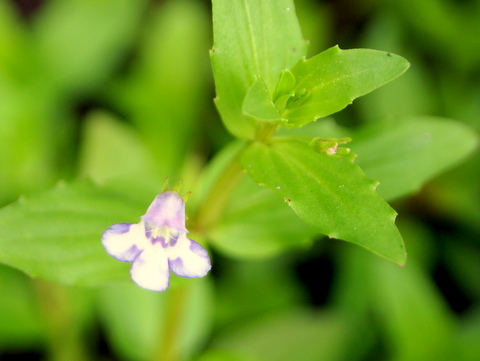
x=62, y=326
x=266, y=131
x=169, y=348
x=213, y=205
x=208, y=213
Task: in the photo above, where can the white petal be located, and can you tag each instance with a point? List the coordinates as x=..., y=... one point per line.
x=188, y=259
x=125, y=241
x=150, y=269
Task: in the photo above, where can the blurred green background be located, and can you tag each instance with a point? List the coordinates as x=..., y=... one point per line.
x=122, y=89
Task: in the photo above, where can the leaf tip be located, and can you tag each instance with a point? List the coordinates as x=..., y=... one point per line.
x=403, y=261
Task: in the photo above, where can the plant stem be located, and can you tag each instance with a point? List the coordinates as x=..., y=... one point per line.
x=207, y=214
x=213, y=205
x=168, y=349
x=266, y=131
x=62, y=327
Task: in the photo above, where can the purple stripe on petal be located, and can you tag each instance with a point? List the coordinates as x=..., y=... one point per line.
x=160, y=240
x=119, y=228
x=195, y=261
x=173, y=241
x=197, y=249
x=131, y=253
x=176, y=264
x=124, y=241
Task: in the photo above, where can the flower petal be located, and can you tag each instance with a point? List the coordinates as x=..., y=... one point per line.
x=188, y=259
x=150, y=269
x=124, y=241
x=167, y=209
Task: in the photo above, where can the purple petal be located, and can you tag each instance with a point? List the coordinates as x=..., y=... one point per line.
x=188, y=258
x=167, y=209
x=150, y=269
x=124, y=241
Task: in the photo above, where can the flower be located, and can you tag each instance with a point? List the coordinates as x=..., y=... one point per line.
x=158, y=243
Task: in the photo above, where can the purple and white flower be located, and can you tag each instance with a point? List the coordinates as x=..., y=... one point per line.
x=157, y=244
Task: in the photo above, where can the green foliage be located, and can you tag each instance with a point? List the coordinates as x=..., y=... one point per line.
x=120, y=92
x=137, y=319
x=306, y=334
x=247, y=50
x=329, y=81
x=402, y=154
x=258, y=103
x=313, y=184
x=21, y=324
x=55, y=235
x=72, y=37
x=166, y=88
x=106, y=139
x=257, y=224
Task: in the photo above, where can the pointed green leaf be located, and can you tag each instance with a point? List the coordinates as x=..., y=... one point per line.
x=329, y=81
x=306, y=334
x=167, y=87
x=404, y=154
x=284, y=90
x=105, y=140
x=256, y=224
x=410, y=306
x=22, y=323
x=328, y=191
x=81, y=40
x=258, y=104
x=286, y=83
x=251, y=38
x=56, y=235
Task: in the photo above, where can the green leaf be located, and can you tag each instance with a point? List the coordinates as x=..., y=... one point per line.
x=411, y=306
x=15, y=44
x=21, y=325
x=284, y=90
x=404, y=154
x=28, y=117
x=405, y=302
x=56, y=235
x=329, y=81
x=166, y=91
x=81, y=40
x=448, y=41
x=295, y=334
x=105, y=140
x=258, y=104
x=256, y=224
x=142, y=331
x=251, y=39
x=414, y=92
x=327, y=191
